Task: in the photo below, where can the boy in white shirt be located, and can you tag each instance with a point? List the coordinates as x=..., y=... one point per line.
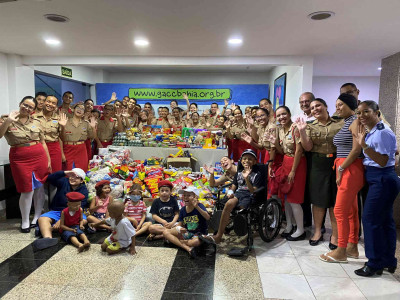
x=123, y=234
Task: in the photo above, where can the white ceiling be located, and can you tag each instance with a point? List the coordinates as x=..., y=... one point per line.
x=352, y=43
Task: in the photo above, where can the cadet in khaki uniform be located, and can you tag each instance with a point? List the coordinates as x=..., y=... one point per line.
x=163, y=119
x=294, y=169
x=195, y=121
x=261, y=141
x=234, y=132
x=65, y=108
x=74, y=135
x=107, y=126
x=29, y=158
x=317, y=137
x=52, y=123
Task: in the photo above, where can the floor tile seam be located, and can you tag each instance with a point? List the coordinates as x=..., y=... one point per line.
x=309, y=285
x=340, y=277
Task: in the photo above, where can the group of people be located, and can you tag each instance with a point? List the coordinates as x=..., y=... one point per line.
x=317, y=163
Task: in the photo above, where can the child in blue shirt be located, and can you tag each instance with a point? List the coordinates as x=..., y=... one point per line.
x=192, y=223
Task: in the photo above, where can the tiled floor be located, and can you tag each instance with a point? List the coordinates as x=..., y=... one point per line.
x=276, y=270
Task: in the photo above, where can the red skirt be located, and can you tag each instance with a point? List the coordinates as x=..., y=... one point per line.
x=273, y=186
x=238, y=146
x=229, y=146
x=76, y=157
x=55, y=156
x=88, y=144
x=26, y=162
x=296, y=194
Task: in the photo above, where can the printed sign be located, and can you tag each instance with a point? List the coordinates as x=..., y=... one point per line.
x=67, y=72
x=168, y=94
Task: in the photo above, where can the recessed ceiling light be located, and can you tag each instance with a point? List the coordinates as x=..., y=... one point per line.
x=56, y=18
x=235, y=41
x=321, y=15
x=52, y=42
x=380, y=68
x=141, y=42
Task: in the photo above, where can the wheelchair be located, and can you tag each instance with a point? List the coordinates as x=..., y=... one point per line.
x=263, y=215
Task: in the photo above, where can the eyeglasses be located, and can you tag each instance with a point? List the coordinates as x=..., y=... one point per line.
x=79, y=109
x=28, y=106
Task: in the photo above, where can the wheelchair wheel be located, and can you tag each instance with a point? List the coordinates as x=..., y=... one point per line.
x=270, y=220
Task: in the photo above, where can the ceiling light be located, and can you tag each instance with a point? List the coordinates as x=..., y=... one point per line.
x=321, y=15
x=141, y=42
x=235, y=41
x=380, y=68
x=52, y=42
x=56, y=18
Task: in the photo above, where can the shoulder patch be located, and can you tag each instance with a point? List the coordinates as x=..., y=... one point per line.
x=380, y=126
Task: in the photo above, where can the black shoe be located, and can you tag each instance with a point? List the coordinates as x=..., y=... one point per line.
x=332, y=246
x=316, y=242
x=368, y=271
x=33, y=225
x=286, y=234
x=389, y=269
x=25, y=230
x=193, y=253
x=44, y=243
x=299, y=238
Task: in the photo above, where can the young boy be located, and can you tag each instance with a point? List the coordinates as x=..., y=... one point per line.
x=123, y=235
x=246, y=181
x=165, y=210
x=71, y=222
x=193, y=219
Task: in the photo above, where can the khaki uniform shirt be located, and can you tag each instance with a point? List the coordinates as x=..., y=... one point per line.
x=18, y=133
x=200, y=125
x=262, y=140
x=131, y=121
x=162, y=122
x=287, y=140
x=106, y=129
x=322, y=135
x=236, y=129
x=212, y=119
x=51, y=128
x=69, y=113
x=77, y=133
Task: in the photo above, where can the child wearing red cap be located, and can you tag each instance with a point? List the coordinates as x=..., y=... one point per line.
x=98, y=206
x=71, y=224
x=164, y=210
x=135, y=209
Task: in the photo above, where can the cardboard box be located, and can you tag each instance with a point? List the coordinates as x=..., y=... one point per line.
x=179, y=162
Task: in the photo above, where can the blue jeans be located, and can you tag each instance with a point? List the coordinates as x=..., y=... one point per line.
x=378, y=222
x=66, y=235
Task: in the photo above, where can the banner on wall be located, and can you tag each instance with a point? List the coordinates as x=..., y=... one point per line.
x=176, y=94
x=245, y=94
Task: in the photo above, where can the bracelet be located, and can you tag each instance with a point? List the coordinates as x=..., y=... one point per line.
x=365, y=148
x=340, y=169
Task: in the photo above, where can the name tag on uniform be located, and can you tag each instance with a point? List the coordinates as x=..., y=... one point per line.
x=289, y=137
x=84, y=128
x=13, y=129
x=55, y=121
x=68, y=132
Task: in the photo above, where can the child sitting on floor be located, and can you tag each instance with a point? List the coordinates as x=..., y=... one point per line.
x=71, y=222
x=164, y=210
x=98, y=206
x=123, y=235
x=193, y=219
x=135, y=209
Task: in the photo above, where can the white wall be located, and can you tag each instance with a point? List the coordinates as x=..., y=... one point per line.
x=328, y=88
x=190, y=78
x=294, y=86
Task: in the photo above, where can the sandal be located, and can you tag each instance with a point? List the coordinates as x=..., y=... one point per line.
x=150, y=237
x=329, y=259
x=208, y=239
x=192, y=253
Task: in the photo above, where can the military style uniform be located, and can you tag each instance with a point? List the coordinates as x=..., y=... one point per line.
x=52, y=129
x=74, y=144
x=322, y=186
x=28, y=159
x=69, y=112
x=384, y=186
x=162, y=122
x=289, y=141
x=106, y=130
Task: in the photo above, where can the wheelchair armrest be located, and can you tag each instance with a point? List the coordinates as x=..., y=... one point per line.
x=220, y=188
x=259, y=190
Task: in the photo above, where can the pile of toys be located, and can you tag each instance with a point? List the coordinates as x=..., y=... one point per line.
x=122, y=171
x=156, y=136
